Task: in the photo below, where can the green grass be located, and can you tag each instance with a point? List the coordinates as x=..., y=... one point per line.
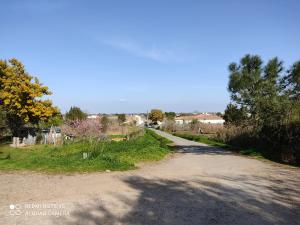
x=68, y=157
x=164, y=142
x=209, y=141
x=202, y=139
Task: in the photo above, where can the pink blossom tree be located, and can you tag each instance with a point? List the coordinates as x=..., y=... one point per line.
x=82, y=128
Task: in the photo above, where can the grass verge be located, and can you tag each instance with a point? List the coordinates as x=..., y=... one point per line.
x=209, y=141
x=103, y=155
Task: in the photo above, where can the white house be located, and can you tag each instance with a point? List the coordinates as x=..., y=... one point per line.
x=202, y=118
x=139, y=120
x=135, y=119
x=93, y=116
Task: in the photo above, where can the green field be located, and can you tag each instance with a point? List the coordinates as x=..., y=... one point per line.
x=104, y=155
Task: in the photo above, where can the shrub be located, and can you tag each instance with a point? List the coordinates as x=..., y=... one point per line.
x=169, y=126
x=280, y=143
x=283, y=141
x=104, y=123
x=121, y=118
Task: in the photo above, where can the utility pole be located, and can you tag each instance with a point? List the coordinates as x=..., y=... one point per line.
x=147, y=115
x=147, y=118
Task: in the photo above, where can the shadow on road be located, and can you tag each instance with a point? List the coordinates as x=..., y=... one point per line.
x=202, y=150
x=199, y=201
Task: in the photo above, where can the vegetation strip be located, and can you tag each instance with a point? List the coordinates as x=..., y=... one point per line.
x=102, y=155
x=209, y=141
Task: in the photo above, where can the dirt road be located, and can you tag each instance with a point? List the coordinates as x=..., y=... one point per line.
x=197, y=185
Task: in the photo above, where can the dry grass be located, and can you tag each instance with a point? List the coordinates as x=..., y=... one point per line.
x=198, y=128
x=116, y=129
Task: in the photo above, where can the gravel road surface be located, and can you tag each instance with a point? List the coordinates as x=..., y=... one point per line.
x=196, y=185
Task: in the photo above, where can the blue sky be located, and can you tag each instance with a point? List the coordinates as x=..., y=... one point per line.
x=131, y=56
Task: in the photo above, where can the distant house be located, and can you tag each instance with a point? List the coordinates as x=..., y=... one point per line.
x=136, y=119
x=93, y=116
x=202, y=118
x=139, y=120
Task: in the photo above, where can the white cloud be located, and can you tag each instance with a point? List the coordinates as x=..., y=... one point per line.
x=136, y=49
x=122, y=100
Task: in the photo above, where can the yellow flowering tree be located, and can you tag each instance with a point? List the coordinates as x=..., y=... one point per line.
x=156, y=115
x=21, y=96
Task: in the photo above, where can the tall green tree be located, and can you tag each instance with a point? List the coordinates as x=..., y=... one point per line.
x=270, y=97
x=170, y=115
x=75, y=113
x=292, y=81
x=245, y=84
x=235, y=116
x=257, y=89
x=56, y=120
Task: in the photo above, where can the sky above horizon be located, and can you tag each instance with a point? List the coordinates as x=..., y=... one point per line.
x=132, y=56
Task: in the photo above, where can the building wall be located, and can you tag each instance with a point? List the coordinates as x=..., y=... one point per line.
x=139, y=120
x=212, y=121
x=181, y=122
